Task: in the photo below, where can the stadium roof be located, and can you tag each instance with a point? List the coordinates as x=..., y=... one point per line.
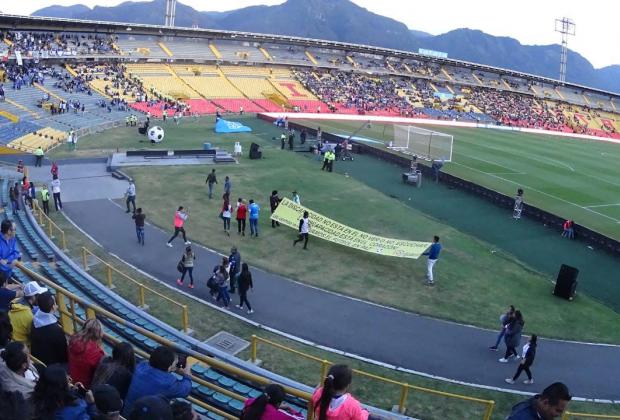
x=37, y=23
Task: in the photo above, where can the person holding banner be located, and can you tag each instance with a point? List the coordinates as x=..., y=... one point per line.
x=304, y=229
x=433, y=256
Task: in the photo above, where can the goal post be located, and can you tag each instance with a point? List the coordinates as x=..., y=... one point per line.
x=425, y=144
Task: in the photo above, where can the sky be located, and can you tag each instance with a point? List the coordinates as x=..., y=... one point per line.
x=529, y=21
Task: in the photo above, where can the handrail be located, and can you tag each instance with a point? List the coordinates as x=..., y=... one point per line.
x=44, y=220
x=405, y=387
x=569, y=414
x=141, y=287
x=93, y=310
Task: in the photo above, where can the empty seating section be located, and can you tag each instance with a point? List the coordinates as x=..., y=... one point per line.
x=191, y=48
x=234, y=105
x=202, y=106
x=253, y=87
x=11, y=131
x=212, y=87
x=46, y=138
x=285, y=54
x=140, y=48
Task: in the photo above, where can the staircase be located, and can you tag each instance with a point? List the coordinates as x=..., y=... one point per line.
x=311, y=58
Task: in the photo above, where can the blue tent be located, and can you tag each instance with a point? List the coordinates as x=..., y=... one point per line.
x=223, y=126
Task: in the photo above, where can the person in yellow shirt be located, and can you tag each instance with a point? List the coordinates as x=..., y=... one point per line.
x=39, y=153
x=22, y=311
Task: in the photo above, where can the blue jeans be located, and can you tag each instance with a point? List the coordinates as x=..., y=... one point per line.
x=501, y=335
x=140, y=234
x=254, y=227
x=223, y=295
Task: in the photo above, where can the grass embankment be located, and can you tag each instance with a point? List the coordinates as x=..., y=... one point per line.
x=207, y=321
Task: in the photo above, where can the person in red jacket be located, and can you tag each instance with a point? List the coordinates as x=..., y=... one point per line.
x=85, y=352
x=242, y=211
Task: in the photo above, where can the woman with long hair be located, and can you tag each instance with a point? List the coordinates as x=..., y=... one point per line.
x=513, y=336
x=245, y=283
x=333, y=402
x=529, y=354
x=269, y=406
x=85, y=352
x=55, y=398
x=226, y=213
x=118, y=369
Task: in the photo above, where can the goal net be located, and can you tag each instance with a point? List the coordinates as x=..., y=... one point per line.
x=426, y=144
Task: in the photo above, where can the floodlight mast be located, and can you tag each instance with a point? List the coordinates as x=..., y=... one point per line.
x=171, y=7
x=566, y=27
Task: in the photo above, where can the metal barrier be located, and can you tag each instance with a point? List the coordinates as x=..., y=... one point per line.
x=67, y=303
x=404, y=387
x=45, y=221
x=570, y=415
x=142, y=289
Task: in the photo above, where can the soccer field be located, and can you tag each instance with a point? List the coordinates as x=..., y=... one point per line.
x=572, y=178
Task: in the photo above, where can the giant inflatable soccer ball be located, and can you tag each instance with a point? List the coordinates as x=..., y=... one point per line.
x=156, y=134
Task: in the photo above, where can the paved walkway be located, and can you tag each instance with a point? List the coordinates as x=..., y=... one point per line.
x=406, y=340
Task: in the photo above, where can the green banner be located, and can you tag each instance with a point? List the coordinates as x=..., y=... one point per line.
x=288, y=213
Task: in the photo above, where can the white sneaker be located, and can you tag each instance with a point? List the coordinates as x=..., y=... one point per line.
x=528, y=381
x=251, y=311
x=168, y=244
x=237, y=306
x=188, y=243
x=509, y=381
x=503, y=360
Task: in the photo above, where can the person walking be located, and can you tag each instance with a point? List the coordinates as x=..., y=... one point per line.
x=291, y=139
x=14, y=197
x=282, y=141
x=227, y=186
x=56, y=192
x=45, y=200
x=244, y=282
x=433, y=256
x=222, y=279
x=211, y=181
x=331, y=158
x=528, y=356
x=242, y=210
x=504, y=320
x=235, y=265
x=180, y=217
x=131, y=196
x=325, y=160
x=274, y=201
x=513, y=337
x=187, y=266
x=39, y=154
x=139, y=218
x=304, y=229
x=54, y=169
x=226, y=214
x=254, y=210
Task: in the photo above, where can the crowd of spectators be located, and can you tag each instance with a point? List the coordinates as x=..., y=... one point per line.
x=514, y=109
x=45, y=375
x=51, y=44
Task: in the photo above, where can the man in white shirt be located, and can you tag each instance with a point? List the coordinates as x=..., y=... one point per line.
x=131, y=196
x=304, y=229
x=56, y=192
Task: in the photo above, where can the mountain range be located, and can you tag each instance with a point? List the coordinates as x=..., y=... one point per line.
x=342, y=20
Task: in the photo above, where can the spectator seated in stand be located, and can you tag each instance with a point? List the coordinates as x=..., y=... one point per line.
x=49, y=344
x=117, y=370
x=17, y=373
x=85, y=352
x=155, y=378
x=22, y=312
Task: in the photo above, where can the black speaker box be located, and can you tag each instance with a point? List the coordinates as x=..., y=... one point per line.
x=566, y=284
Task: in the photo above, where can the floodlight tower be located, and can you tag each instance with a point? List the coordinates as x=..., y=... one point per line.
x=171, y=7
x=566, y=27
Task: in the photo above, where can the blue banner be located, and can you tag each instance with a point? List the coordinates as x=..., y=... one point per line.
x=444, y=96
x=223, y=126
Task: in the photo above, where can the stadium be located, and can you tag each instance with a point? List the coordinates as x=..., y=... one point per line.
x=426, y=149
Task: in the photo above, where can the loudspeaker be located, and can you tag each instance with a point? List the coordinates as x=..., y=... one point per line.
x=566, y=284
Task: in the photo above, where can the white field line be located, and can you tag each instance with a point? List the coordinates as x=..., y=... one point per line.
x=506, y=173
x=540, y=192
x=603, y=205
x=510, y=170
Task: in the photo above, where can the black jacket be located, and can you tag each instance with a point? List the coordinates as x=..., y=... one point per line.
x=245, y=281
x=49, y=344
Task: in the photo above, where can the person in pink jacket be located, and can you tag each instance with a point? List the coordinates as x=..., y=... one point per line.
x=333, y=402
x=269, y=406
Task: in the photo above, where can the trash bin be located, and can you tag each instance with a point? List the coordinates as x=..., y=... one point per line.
x=418, y=181
x=206, y=146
